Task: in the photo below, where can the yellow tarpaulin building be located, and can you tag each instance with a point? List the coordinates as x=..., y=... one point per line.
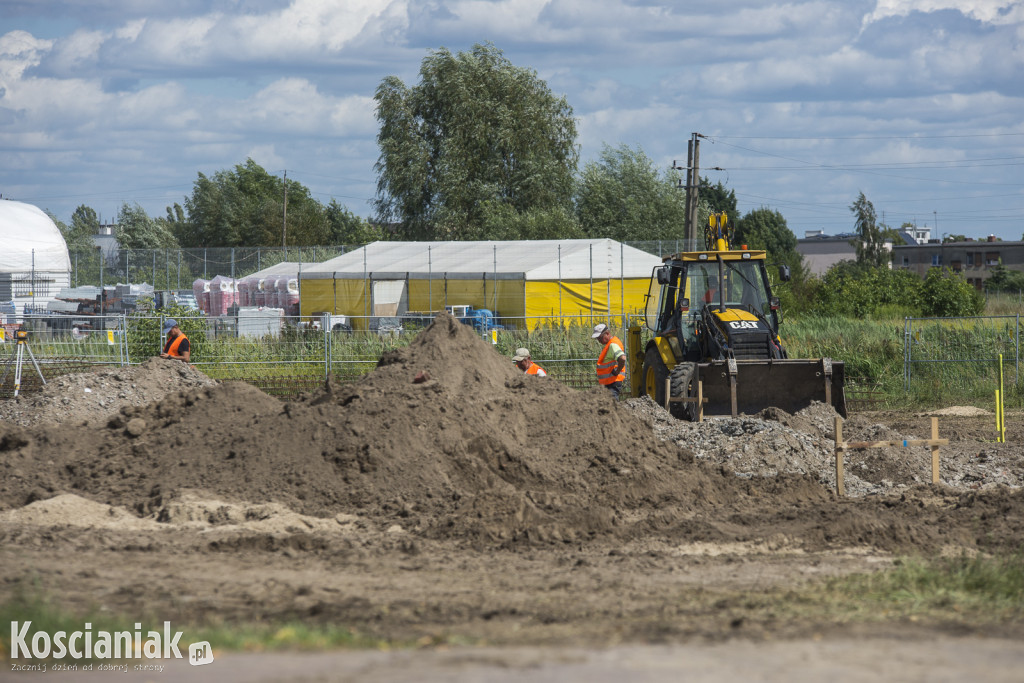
x=526, y=284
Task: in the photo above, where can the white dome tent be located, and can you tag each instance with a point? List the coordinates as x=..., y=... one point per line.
x=34, y=260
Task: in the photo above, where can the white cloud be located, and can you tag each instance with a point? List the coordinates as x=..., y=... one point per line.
x=20, y=50
x=987, y=11
x=296, y=105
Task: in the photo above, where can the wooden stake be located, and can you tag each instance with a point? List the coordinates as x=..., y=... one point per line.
x=700, y=401
x=840, y=487
x=935, y=451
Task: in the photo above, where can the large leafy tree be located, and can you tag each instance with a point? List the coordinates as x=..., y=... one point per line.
x=245, y=206
x=623, y=197
x=870, y=235
x=347, y=228
x=765, y=228
x=84, y=224
x=477, y=135
x=136, y=230
x=719, y=198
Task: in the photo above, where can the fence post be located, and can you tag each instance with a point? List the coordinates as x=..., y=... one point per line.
x=906, y=354
x=327, y=347
x=125, y=360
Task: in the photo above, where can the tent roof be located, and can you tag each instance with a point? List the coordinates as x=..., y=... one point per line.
x=282, y=268
x=26, y=235
x=529, y=260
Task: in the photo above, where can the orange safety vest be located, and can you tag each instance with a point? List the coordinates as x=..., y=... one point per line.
x=171, y=348
x=606, y=373
x=534, y=369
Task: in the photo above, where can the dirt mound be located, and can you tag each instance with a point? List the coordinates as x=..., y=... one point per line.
x=446, y=439
x=96, y=395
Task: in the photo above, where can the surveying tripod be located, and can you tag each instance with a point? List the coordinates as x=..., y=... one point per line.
x=18, y=359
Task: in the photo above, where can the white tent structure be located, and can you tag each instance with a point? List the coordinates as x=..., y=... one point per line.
x=34, y=260
x=531, y=282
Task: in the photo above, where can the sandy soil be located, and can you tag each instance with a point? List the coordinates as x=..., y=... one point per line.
x=447, y=498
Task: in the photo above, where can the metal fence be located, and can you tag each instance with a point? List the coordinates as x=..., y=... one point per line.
x=177, y=268
x=283, y=355
x=953, y=356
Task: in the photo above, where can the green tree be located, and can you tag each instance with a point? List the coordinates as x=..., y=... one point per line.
x=857, y=290
x=246, y=206
x=719, y=198
x=623, y=197
x=946, y=293
x=347, y=228
x=870, y=238
x=136, y=230
x=502, y=222
x=1003, y=279
x=766, y=229
x=475, y=132
x=84, y=225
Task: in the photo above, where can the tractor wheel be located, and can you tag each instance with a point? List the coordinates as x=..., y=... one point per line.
x=654, y=375
x=684, y=386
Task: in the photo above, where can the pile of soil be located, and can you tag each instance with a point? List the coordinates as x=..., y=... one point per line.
x=775, y=442
x=96, y=395
x=447, y=440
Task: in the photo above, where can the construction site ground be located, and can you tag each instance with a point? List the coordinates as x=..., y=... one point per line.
x=487, y=525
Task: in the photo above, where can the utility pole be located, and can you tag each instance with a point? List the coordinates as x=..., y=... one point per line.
x=693, y=191
x=284, y=216
x=692, y=188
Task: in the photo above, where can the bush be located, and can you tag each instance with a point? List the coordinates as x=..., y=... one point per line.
x=145, y=333
x=946, y=294
x=858, y=291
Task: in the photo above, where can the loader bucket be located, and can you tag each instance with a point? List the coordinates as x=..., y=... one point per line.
x=750, y=386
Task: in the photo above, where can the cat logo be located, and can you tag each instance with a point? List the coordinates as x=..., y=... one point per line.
x=744, y=325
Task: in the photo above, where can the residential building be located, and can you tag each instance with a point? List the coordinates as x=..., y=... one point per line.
x=821, y=251
x=974, y=259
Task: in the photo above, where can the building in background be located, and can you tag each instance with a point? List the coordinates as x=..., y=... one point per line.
x=34, y=261
x=973, y=259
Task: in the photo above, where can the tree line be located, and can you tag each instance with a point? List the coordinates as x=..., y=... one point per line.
x=481, y=149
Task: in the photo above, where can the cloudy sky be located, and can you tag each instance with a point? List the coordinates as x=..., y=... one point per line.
x=917, y=103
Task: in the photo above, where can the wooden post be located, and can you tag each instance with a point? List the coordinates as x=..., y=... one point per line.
x=840, y=487
x=700, y=401
x=935, y=451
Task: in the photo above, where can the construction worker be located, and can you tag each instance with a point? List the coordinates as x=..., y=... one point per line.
x=525, y=363
x=612, y=361
x=177, y=346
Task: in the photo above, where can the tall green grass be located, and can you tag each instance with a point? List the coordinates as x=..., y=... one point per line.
x=992, y=587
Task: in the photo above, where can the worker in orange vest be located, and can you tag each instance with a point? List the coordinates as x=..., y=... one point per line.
x=525, y=363
x=612, y=361
x=177, y=346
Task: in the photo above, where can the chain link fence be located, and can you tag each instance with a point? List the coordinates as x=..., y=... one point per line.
x=176, y=269
x=960, y=356
x=283, y=356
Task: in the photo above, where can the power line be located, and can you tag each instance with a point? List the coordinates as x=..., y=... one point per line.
x=864, y=137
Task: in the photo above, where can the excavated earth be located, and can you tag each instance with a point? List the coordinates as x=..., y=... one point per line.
x=447, y=497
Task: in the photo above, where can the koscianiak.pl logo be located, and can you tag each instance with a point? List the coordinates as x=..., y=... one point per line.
x=35, y=650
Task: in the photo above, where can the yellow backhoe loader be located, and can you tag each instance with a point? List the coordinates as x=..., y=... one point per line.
x=716, y=348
